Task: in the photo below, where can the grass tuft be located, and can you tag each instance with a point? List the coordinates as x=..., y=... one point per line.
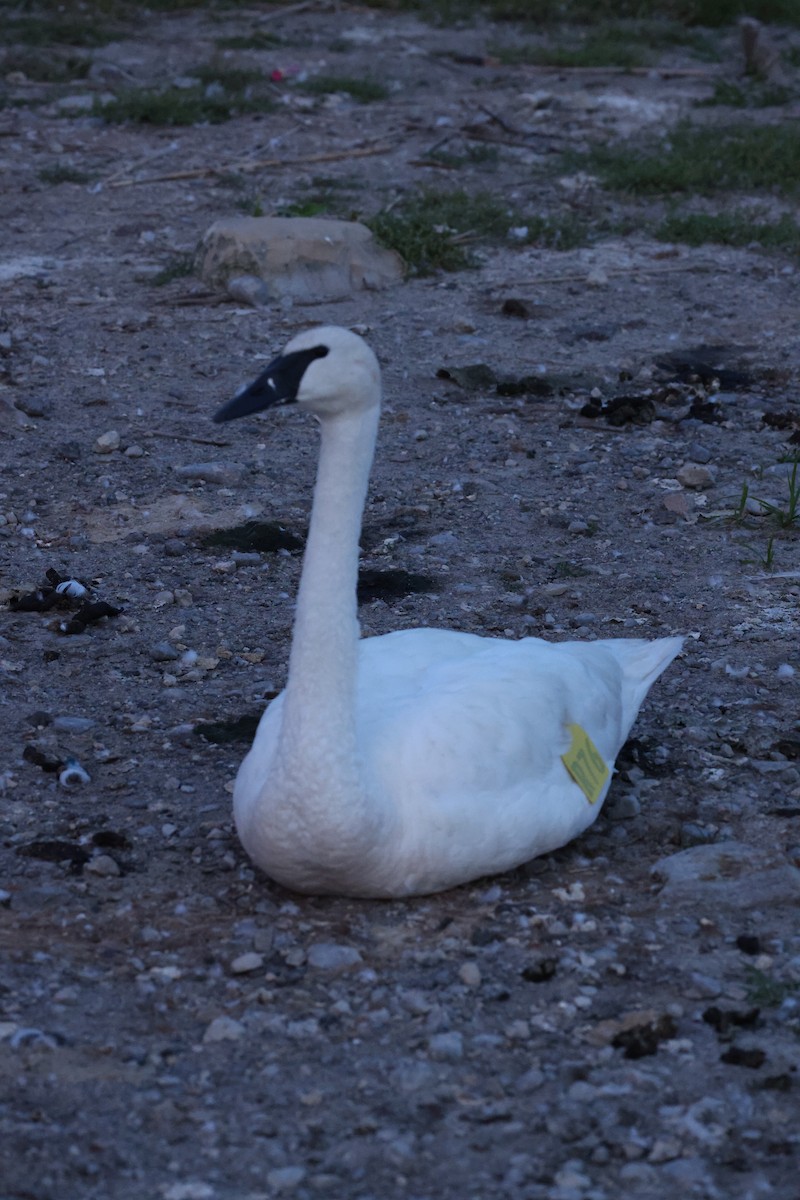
x=731, y=229
x=432, y=230
x=601, y=49
x=365, y=90
x=257, y=40
x=712, y=13
x=757, y=94
x=179, y=267
x=706, y=160
x=219, y=94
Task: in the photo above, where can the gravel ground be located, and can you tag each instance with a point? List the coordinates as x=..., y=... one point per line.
x=621, y=1017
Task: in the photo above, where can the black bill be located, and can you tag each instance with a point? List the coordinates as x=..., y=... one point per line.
x=279, y=384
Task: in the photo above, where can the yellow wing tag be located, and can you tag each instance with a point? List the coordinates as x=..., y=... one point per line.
x=585, y=764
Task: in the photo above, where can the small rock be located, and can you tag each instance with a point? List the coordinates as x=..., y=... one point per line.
x=224, y=1029
x=696, y=476
x=190, y=1190
x=597, y=277
x=622, y=808
x=103, y=864
x=134, y=451
x=530, y=1081
x=164, y=652
x=698, y=453
x=174, y=547
x=73, y=724
x=249, y=289
x=470, y=974
x=226, y=474
x=245, y=963
x=285, y=1179
x=107, y=442
x=692, y=834
x=675, y=504
x=704, y=987
x=446, y=1047
x=84, y=102
x=329, y=956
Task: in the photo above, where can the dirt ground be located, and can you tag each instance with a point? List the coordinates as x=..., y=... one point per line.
x=174, y=1025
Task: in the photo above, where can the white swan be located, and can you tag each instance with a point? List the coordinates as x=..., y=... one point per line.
x=412, y=762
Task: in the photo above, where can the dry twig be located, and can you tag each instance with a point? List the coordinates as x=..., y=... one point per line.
x=256, y=165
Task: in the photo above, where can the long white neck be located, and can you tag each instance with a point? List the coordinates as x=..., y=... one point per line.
x=318, y=732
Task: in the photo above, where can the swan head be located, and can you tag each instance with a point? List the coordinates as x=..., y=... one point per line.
x=329, y=371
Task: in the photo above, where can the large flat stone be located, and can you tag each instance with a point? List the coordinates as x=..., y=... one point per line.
x=727, y=875
x=301, y=258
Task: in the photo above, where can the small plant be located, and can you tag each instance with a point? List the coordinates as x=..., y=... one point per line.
x=606, y=48
x=62, y=30
x=359, y=88
x=48, y=66
x=738, y=228
x=786, y=517
x=764, y=991
x=219, y=94
x=259, y=39
x=740, y=512
x=180, y=266
x=756, y=95
x=709, y=13
x=472, y=156
x=765, y=560
x=433, y=229
x=429, y=230
x=706, y=160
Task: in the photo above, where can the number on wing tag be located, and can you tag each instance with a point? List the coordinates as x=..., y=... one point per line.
x=585, y=764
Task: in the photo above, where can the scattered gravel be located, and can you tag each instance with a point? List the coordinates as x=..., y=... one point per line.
x=620, y=1018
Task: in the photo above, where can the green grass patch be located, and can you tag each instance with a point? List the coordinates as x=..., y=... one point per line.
x=256, y=40
x=711, y=13
x=587, y=50
x=755, y=94
x=219, y=94
x=706, y=160
x=433, y=230
x=612, y=44
x=51, y=67
x=178, y=268
x=64, y=29
x=60, y=173
x=766, y=991
x=736, y=228
x=363, y=89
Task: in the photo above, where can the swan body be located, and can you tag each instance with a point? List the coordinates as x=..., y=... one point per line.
x=409, y=763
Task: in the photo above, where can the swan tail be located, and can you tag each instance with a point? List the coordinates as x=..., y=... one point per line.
x=642, y=662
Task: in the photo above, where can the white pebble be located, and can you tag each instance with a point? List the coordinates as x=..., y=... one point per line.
x=224, y=1029
x=107, y=442
x=246, y=963
x=103, y=864
x=328, y=956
